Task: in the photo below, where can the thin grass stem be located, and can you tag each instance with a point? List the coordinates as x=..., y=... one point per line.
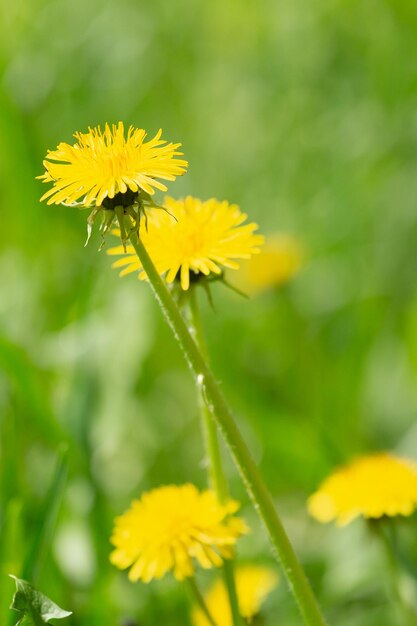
x=394, y=574
x=199, y=600
x=216, y=473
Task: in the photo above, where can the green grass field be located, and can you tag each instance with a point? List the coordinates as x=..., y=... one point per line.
x=304, y=113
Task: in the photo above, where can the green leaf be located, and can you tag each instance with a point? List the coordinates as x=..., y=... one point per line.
x=35, y=608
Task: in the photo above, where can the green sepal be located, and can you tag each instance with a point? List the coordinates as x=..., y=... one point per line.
x=201, y=280
x=145, y=197
x=234, y=288
x=90, y=221
x=120, y=214
x=108, y=218
x=35, y=608
x=134, y=213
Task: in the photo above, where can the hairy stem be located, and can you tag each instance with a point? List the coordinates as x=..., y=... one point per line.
x=220, y=412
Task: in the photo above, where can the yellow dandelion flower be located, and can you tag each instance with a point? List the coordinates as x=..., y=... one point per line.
x=280, y=259
x=193, y=238
x=169, y=528
x=253, y=585
x=371, y=486
x=110, y=165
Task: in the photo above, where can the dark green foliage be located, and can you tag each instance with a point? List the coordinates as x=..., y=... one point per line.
x=34, y=608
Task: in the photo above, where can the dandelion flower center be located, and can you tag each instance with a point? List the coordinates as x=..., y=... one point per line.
x=171, y=528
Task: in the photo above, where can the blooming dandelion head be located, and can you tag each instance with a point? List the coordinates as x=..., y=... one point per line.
x=173, y=528
x=111, y=169
x=253, y=585
x=193, y=238
x=371, y=486
x=104, y=164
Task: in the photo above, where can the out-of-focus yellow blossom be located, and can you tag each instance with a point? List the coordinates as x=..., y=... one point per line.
x=110, y=165
x=253, y=585
x=171, y=527
x=279, y=260
x=192, y=238
x=371, y=486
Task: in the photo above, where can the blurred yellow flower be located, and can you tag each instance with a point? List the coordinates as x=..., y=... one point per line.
x=109, y=164
x=279, y=260
x=169, y=527
x=192, y=237
x=371, y=486
x=253, y=585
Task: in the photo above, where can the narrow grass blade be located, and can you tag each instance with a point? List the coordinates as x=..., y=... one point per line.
x=38, y=550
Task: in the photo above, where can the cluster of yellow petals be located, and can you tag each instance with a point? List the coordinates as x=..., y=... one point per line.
x=253, y=585
x=192, y=236
x=102, y=164
x=280, y=259
x=170, y=527
x=371, y=486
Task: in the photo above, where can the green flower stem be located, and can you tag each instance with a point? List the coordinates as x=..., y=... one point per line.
x=230, y=582
x=199, y=600
x=216, y=473
x=220, y=411
x=408, y=615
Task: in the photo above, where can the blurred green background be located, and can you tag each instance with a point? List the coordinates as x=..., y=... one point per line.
x=305, y=114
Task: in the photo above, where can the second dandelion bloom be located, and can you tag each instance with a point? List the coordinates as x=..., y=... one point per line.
x=371, y=486
x=253, y=585
x=173, y=528
x=193, y=238
x=280, y=260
